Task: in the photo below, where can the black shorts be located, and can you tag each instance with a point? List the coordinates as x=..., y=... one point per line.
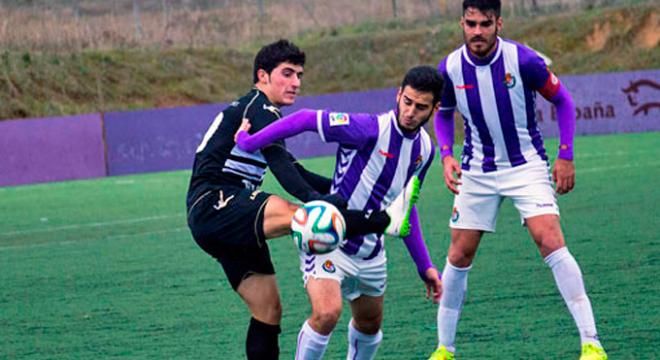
x=227, y=223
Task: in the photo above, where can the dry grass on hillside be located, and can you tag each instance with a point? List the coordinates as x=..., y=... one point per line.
x=65, y=29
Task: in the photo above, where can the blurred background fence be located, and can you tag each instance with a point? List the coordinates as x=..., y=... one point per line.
x=66, y=25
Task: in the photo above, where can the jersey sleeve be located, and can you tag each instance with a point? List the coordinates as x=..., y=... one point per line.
x=448, y=97
x=430, y=154
x=536, y=74
x=349, y=130
x=262, y=115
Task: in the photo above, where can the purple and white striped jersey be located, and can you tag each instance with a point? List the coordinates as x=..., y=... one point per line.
x=496, y=97
x=374, y=162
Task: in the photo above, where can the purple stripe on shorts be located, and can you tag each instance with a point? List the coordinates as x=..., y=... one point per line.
x=477, y=115
x=310, y=268
x=505, y=112
x=356, y=349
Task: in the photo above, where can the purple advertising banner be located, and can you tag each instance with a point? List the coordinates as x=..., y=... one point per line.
x=156, y=140
x=608, y=103
x=38, y=150
x=51, y=149
x=166, y=139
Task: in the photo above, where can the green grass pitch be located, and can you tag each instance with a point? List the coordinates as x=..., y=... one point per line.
x=106, y=268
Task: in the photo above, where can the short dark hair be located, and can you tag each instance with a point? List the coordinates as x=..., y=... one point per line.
x=484, y=6
x=425, y=79
x=272, y=55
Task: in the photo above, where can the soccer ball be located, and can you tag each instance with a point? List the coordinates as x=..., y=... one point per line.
x=317, y=227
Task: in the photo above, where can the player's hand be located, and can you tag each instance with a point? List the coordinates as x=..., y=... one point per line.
x=245, y=126
x=433, y=285
x=449, y=168
x=563, y=174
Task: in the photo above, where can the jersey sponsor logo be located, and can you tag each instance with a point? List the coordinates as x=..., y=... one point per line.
x=465, y=87
x=254, y=194
x=385, y=153
x=455, y=215
x=339, y=119
x=510, y=80
x=546, y=205
x=272, y=109
x=329, y=267
x=222, y=202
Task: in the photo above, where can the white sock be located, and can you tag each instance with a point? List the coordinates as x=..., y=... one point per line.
x=362, y=346
x=571, y=286
x=311, y=345
x=454, y=287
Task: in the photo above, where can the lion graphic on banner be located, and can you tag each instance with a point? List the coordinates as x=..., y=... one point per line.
x=638, y=88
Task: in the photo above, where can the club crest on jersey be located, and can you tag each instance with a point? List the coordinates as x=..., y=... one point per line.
x=339, y=119
x=509, y=80
x=455, y=215
x=418, y=162
x=328, y=266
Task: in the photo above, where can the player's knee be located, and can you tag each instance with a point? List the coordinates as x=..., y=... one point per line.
x=460, y=258
x=368, y=325
x=326, y=318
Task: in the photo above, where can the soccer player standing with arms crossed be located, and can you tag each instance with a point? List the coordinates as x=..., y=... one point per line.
x=493, y=83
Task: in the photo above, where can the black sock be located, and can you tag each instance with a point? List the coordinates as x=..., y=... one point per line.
x=261, y=343
x=360, y=223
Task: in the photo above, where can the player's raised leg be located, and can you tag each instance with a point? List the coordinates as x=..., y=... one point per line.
x=364, y=334
x=546, y=232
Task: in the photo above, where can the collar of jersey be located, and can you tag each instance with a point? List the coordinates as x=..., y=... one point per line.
x=266, y=97
x=395, y=123
x=475, y=61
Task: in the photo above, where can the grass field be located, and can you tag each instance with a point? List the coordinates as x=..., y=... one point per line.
x=106, y=268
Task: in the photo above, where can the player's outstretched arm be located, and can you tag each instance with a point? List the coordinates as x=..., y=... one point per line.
x=420, y=255
x=288, y=126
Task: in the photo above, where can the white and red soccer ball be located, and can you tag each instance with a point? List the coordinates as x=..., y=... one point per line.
x=317, y=227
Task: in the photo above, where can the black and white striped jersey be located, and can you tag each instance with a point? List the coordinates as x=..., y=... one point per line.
x=218, y=160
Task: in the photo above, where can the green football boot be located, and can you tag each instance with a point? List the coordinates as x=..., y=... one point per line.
x=591, y=351
x=442, y=354
x=399, y=210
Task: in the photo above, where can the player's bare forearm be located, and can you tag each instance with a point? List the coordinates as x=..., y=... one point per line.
x=433, y=285
x=563, y=174
x=452, y=173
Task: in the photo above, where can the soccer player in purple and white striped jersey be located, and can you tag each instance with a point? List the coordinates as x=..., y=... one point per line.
x=493, y=83
x=377, y=156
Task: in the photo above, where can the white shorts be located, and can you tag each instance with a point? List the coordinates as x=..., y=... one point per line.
x=529, y=186
x=356, y=276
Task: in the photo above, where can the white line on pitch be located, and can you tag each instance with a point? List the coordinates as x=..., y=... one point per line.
x=616, y=167
x=71, y=242
x=96, y=224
